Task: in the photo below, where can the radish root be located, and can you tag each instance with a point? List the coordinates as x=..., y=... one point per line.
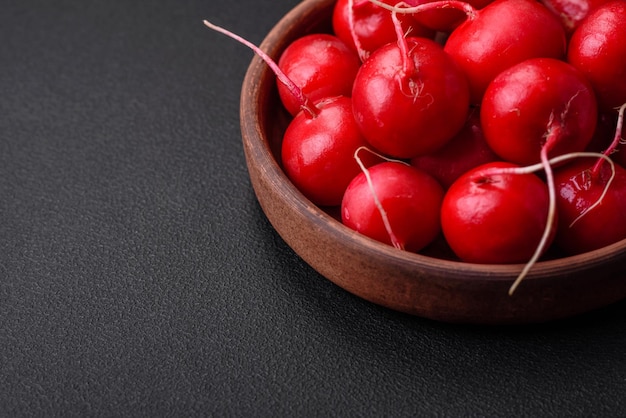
x=305, y=103
x=547, y=232
x=383, y=213
x=363, y=54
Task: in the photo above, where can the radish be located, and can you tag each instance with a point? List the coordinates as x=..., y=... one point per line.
x=502, y=34
x=540, y=105
x=598, y=50
x=319, y=142
x=572, y=12
x=583, y=225
x=490, y=215
x=409, y=97
x=468, y=149
x=394, y=203
x=317, y=152
x=592, y=200
x=321, y=65
x=366, y=27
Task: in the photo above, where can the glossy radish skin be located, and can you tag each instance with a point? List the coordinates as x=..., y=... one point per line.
x=598, y=49
x=321, y=65
x=532, y=100
x=572, y=12
x=410, y=103
x=578, y=188
x=495, y=218
x=318, y=151
x=371, y=25
x=467, y=150
x=503, y=34
x=410, y=200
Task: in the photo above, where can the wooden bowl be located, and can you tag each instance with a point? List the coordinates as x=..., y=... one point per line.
x=429, y=286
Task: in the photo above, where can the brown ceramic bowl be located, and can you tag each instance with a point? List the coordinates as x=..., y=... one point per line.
x=432, y=286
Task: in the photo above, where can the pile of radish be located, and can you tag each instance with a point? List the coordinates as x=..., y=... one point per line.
x=493, y=124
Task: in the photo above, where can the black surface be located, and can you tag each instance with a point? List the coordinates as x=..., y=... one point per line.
x=139, y=277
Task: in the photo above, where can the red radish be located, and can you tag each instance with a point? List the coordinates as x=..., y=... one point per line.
x=317, y=153
x=592, y=200
x=491, y=216
x=572, y=12
x=541, y=104
x=322, y=66
x=394, y=203
x=366, y=27
x=504, y=33
x=584, y=226
x=320, y=141
x=410, y=98
x=467, y=150
x=598, y=50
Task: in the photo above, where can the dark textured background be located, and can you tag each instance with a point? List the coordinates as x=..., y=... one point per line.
x=139, y=277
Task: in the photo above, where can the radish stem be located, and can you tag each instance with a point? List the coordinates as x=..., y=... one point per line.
x=363, y=54
x=402, y=7
x=616, y=139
